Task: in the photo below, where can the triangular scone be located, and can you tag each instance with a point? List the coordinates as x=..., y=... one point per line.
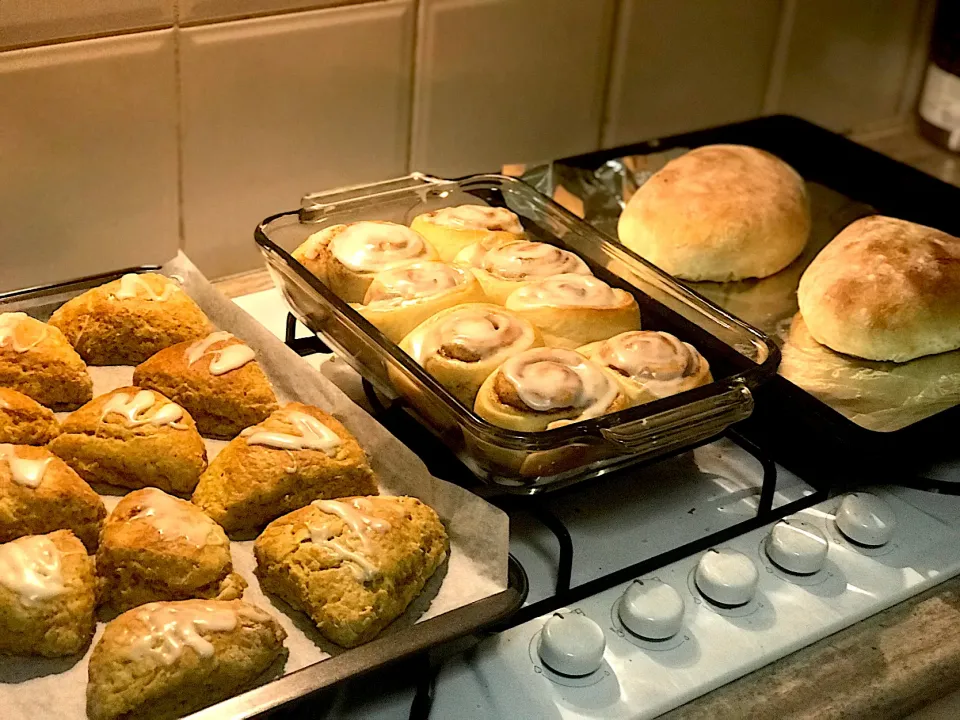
x=47, y=595
x=216, y=379
x=157, y=547
x=40, y=493
x=37, y=360
x=169, y=659
x=24, y=421
x=352, y=565
x=133, y=438
x=298, y=454
x=127, y=320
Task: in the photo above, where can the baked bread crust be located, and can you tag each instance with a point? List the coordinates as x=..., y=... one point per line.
x=126, y=321
x=719, y=212
x=221, y=404
x=348, y=607
x=108, y=449
x=38, y=361
x=53, y=626
x=248, y=485
x=128, y=681
x=884, y=289
x=61, y=499
x=24, y=421
x=157, y=547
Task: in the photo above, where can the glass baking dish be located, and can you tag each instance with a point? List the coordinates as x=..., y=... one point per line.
x=741, y=357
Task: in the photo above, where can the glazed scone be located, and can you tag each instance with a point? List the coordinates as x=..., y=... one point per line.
x=37, y=360
x=298, y=454
x=40, y=493
x=46, y=595
x=133, y=438
x=127, y=320
x=24, y=421
x=169, y=659
x=217, y=380
x=157, y=547
x=352, y=565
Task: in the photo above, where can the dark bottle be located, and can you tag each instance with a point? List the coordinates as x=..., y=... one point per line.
x=939, y=107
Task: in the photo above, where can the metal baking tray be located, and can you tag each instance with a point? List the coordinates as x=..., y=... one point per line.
x=290, y=690
x=846, y=181
x=741, y=357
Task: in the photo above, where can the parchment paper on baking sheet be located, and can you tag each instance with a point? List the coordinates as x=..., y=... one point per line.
x=32, y=688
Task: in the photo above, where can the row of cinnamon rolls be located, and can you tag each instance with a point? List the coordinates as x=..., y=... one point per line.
x=519, y=331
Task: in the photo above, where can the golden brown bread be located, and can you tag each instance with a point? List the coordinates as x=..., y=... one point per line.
x=166, y=660
x=46, y=595
x=157, y=547
x=127, y=320
x=885, y=289
x=215, y=379
x=353, y=565
x=719, y=212
x=39, y=493
x=37, y=360
x=24, y=421
x=298, y=454
x=133, y=438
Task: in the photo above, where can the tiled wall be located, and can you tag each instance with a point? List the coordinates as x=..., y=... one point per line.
x=129, y=128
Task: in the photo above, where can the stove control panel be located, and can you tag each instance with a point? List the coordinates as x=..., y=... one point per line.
x=640, y=649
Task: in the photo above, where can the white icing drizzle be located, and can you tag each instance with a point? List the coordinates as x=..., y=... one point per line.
x=169, y=628
x=175, y=518
x=522, y=259
x=12, y=326
x=4, y=405
x=481, y=332
x=568, y=290
x=413, y=282
x=371, y=246
x=660, y=361
x=133, y=409
x=224, y=359
x=25, y=471
x=132, y=284
x=310, y=434
x=548, y=379
x=477, y=217
x=30, y=567
x=356, y=516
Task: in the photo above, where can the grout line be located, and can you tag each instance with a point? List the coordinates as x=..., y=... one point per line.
x=778, y=63
x=178, y=74
x=916, y=65
x=412, y=88
x=606, y=81
x=309, y=7
x=86, y=36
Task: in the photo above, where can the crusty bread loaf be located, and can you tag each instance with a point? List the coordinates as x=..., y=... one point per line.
x=720, y=212
x=885, y=289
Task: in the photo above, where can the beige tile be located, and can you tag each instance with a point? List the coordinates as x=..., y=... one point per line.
x=89, y=179
x=24, y=22
x=685, y=64
x=849, y=62
x=277, y=107
x=198, y=11
x=508, y=81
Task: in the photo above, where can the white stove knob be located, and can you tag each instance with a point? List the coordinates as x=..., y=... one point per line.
x=797, y=547
x=571, y=644
x=727, y=577
x=866, y=519
x=651, y=609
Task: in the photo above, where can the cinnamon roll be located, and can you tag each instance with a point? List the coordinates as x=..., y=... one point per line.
x=650, y=365
x=572, y=310
x=502, y=267
x=461, y=346
x=451, y=229
x=346, y=257
x=545, y=388
x=400, y=299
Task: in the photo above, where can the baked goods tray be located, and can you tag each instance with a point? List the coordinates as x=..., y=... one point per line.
x=741, y=358
x=899, y=433
x=476, y=587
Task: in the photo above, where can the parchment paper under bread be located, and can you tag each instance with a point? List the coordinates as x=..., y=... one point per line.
x=32, y=688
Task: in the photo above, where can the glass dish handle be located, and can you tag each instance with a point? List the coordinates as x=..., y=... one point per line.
x=698, y=420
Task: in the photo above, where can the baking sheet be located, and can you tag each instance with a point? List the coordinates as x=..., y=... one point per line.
x=32, y=688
